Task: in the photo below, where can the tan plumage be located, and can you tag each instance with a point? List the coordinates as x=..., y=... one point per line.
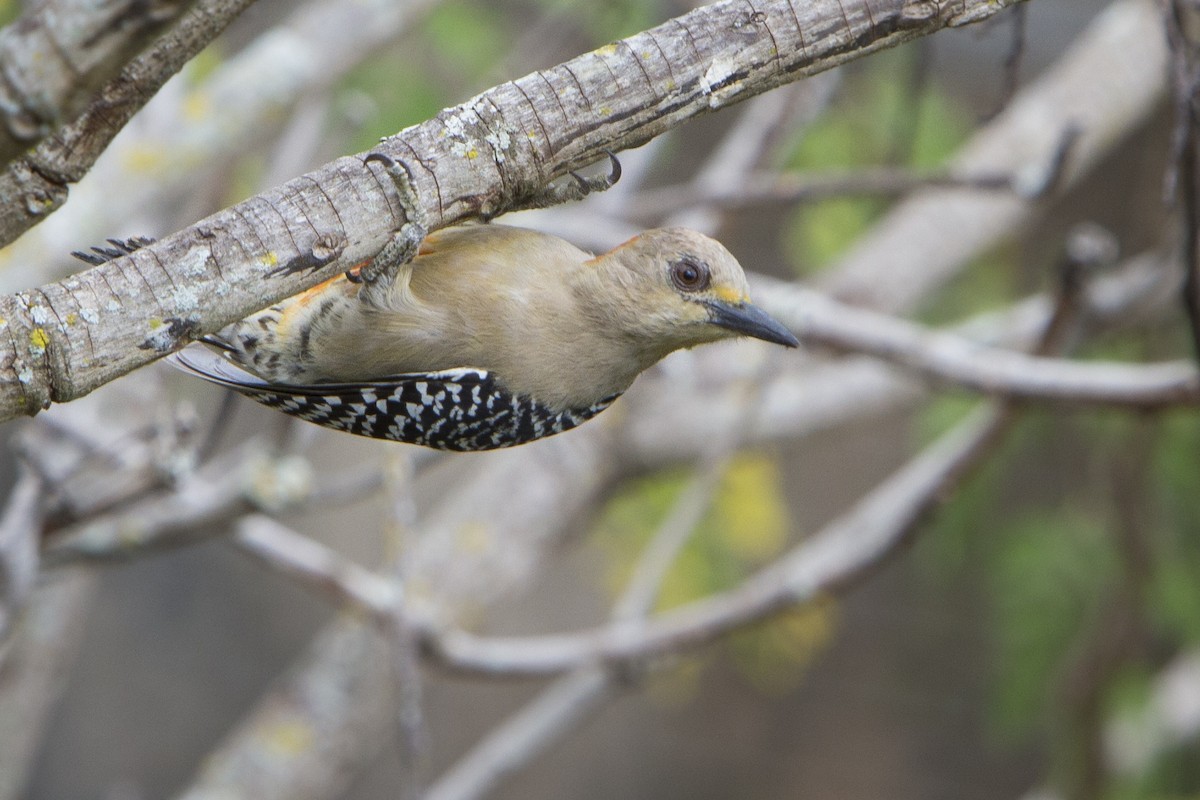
x=548, y=320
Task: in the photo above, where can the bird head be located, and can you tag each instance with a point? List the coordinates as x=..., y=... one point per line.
x=680, y=288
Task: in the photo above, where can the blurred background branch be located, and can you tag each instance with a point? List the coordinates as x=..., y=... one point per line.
x=733, y=581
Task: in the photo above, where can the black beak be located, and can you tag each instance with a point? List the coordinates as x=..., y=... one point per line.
x=750, y=320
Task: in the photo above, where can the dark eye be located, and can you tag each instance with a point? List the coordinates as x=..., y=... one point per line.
x=689, y=275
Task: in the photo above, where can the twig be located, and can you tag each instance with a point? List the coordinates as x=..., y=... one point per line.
x=190, y=511
x=842, y=553
x=277, y=546
x=20, y=528
x=1183, y=173
x=59, y=52
x=767, y=189
x=810, y=188
x=1012, y=62
x=403, y=630
x=819, y=320
x=42, y=177
x=512, y=744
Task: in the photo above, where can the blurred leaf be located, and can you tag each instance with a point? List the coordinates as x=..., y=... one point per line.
x=772, y=655
x=750, y=515
x=861, y=130
x=745, y=528
x=1175, y=585
x=469, y=36
x=609, y=20
x=1054, y=567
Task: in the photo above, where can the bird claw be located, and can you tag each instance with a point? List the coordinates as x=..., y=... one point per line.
x=581, y=186
x=406, y=241
x=120, y=247
x=599, y=183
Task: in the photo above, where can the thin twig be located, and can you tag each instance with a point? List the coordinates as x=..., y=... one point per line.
x=1012, y=62
x=1183, y=173
x=839, y=556
x=820, y=320
x=402, y=630
x=20, y=527
x=42, y=177
x=310, y=563
x=571, y=699
x=770, y=189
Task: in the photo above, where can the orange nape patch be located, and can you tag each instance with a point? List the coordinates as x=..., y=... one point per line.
x=624, y=244
x=429, y=244
x=728, y=294
x=309, y=295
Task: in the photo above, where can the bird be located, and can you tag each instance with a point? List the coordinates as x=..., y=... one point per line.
x=492, y=336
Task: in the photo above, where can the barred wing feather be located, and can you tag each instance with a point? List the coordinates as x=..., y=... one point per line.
x=458, y=409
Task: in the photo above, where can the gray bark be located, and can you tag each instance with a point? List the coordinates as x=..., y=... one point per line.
x=489, y=154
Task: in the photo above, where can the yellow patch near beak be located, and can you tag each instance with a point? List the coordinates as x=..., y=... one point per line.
x=727, y=294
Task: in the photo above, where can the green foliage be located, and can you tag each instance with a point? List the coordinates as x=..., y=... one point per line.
x=1052, y=569
x=1052, y=559
x=467, y=36
x=609, y=20
x=1175, y=589
x=745, y=527
x=860, y=131
x=205, y=63
x=446, y=59
x=989, y=282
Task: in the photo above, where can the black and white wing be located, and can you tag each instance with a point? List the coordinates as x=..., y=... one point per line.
x=457, y=409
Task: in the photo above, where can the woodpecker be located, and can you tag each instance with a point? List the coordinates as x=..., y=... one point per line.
x=492, y=336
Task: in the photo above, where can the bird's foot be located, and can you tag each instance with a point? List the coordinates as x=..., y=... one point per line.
x=405, y=241
x=577, y=188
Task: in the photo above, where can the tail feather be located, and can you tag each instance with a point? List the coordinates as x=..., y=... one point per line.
x=204, y=362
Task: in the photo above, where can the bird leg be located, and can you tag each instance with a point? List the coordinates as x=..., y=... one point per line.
x=379, y=275
x=553, y=194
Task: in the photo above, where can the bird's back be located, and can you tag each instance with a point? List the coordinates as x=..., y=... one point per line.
x=491, y=297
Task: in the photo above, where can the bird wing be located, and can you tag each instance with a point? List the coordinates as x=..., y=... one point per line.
x=458, y=409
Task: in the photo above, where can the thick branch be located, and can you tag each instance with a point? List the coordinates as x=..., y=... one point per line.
x=255, y=88
x=35, y=185
x=54, y=58
x=65, y=339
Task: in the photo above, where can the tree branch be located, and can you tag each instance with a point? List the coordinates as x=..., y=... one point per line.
x=54, y=58
x=820, y=320
x=35, y=185
x=838, y=555
x=489, y=154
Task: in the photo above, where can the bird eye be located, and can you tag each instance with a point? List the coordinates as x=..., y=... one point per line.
x=689, y=275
